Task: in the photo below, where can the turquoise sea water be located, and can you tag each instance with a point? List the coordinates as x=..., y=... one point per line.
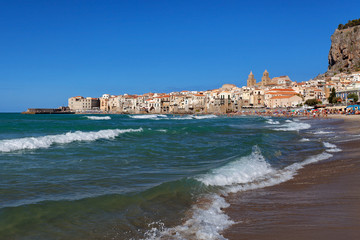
x=141, y=176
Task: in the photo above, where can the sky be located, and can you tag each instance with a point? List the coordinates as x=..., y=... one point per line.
x=52, y=50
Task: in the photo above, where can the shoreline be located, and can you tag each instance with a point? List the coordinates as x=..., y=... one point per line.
x=321, y=202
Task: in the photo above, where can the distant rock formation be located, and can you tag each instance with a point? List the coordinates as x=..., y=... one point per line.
x=344, y=54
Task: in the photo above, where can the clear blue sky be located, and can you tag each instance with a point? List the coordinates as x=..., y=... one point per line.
x=53, y=50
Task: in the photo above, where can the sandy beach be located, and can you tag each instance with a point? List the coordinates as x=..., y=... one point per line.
x=321, y=202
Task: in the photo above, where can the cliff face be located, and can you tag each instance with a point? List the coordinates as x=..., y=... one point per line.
x=344, y=54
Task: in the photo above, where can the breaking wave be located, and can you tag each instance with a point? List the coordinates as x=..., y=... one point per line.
x=204, y=116
x=244, y=170
x=10, y=145
x=272, y=122
x=293, y=126
x=98, y=118
x=249, y=172
x=206, y=223
x=149, y=116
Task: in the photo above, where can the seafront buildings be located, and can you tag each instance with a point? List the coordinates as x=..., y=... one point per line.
x=277, y=92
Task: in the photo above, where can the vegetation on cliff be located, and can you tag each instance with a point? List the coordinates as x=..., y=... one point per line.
x=350, y=23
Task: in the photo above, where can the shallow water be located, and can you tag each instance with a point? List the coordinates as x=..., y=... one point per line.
x=141, y=176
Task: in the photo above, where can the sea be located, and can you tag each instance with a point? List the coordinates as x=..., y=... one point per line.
x=143, y=176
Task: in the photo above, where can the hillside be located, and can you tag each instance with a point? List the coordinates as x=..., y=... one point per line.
x=344, y=54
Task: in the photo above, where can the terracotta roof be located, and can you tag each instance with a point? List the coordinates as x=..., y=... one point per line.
x=281, y=89
x=282, y=93
x=282, y=97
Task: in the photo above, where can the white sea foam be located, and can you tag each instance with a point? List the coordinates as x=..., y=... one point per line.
x=186, y=117
x=254, y=172
x=98, y=118
x=272, y=122
x=162, y=130
x=10, y=145
x=206, y=223
x=288, y=121
x=322, y=132
x=250, y=172
x=280, y=175
x=204, y=116
x=244, y=170
x=149, y=116
x=331, y=147
x=293, y=126
x=304, y=140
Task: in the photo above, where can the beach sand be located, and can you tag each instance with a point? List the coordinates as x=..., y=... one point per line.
x=321, y=202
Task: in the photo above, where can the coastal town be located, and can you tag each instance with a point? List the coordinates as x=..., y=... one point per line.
x=270, y=93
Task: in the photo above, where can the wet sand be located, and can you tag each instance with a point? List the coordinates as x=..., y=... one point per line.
x=321, y=202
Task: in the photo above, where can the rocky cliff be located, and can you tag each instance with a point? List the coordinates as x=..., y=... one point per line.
x=344, y=54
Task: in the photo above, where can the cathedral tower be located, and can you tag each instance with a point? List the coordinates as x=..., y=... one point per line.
x=251, y=81
x=265, y=80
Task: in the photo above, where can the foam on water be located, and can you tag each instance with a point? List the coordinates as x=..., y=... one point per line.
x=149, y=116
x=162, y=130
x=293, y=126
x=331, y=147
x=204, y=116
x=206, y=223
x=322, y=132
x=187, y=117
x=304, y=140
x=10, y=145
x=98, y=118
x=244, y=170
x=247, y=173
x=272, y=122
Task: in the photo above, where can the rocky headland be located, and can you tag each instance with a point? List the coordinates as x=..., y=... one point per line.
x=344, y=54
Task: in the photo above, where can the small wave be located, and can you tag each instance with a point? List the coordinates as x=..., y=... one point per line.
x=98, y=118
x=293, y=126
x=322, y=132
x=161, y=130
x=250, y=172
x=244, y=170
x=278, y=176
x=206, y=223
x=288, y=121
x=304, y=140
x=187, y=117
x=331, y=147
x=149, y=116
x=272, y=122
x=10, y=145
x=204, y=116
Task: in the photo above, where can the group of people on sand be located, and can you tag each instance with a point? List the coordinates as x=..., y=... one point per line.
x=315, y=113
